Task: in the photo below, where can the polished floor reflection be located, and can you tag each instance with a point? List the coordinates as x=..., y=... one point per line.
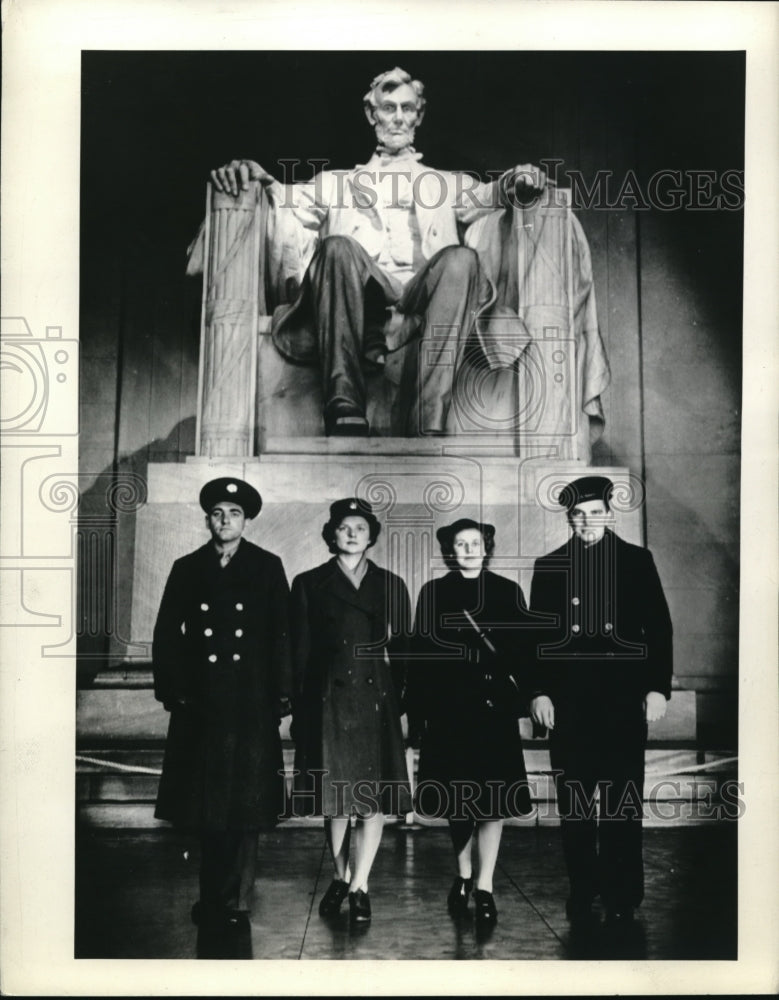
x=134, y=891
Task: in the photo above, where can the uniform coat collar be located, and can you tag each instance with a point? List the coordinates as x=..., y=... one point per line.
x=367, y=598
x=212, y=555
x=608, y=541
x=208, y=557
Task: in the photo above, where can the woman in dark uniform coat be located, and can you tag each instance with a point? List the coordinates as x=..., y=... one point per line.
x=465, y=681
x=222, y=669
x=350, y=620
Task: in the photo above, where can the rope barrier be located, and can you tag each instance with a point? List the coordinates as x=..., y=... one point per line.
x=116, y=766
x=138, y=769
x=682, y=771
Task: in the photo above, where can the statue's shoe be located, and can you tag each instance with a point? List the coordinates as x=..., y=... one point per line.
x=349, y=427
x=343, y=420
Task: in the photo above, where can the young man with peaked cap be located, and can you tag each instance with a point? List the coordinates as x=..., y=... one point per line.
x=222, y=669
x=603, y=671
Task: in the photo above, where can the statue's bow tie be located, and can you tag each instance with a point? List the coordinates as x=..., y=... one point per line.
x=388, y=159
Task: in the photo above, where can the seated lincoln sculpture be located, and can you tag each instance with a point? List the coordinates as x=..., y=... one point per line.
x=347, y=246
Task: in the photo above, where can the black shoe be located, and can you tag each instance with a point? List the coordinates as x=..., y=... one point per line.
x=359, y=907
x=204, y=914
x=485, y=911
x=237, y=920
x=622, y=915
x=330, y=904
x=579, y=912
x=218, y=916
x=457, y=900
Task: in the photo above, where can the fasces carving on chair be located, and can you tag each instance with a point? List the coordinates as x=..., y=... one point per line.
x=375, y=317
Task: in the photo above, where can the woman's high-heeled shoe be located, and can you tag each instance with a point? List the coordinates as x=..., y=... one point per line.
x=330, y=903
x=359, y=907
x=457, y=900
x=486, y=912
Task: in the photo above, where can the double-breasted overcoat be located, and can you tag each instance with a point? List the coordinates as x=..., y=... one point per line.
x=608, y=636
x=221, y=663
x=348, y=654
x=467, y=697
x=606, y=643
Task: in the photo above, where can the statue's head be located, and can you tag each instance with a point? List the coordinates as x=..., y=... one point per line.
x=394, y=105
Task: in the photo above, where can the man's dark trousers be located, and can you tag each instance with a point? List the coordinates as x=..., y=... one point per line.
x=592, y=748
x=228, y=861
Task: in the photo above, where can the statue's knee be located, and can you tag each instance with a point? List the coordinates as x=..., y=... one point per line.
x=461, y=262
x=337, y=248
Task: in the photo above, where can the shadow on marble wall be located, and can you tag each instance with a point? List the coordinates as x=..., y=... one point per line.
x=106, y=531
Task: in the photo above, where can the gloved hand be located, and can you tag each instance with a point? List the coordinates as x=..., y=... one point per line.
x=283, y=708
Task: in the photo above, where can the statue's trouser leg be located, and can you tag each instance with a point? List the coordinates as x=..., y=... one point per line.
x=339, y=273
x=447, y=293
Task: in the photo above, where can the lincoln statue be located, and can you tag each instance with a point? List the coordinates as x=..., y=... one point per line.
x=370, y=273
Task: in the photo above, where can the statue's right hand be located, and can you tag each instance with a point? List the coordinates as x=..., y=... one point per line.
x=239, y=172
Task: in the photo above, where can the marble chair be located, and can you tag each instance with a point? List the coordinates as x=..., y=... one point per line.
x=248, y=393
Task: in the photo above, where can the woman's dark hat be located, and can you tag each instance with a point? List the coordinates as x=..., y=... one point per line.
x=446, y=534
x=231, y=490
x=352, y=507
x=586, y=488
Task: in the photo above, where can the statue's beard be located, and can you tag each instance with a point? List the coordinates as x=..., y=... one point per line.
x=394, y=141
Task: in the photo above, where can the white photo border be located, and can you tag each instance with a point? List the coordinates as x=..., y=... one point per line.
x=43, y=41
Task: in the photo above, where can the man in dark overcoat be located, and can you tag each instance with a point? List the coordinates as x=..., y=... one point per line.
x=222, y=669
x=603, y=671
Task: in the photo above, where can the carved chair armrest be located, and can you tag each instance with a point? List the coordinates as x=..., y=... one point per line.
x=233, y=298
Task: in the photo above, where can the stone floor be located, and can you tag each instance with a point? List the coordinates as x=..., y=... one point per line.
x=134, y=890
